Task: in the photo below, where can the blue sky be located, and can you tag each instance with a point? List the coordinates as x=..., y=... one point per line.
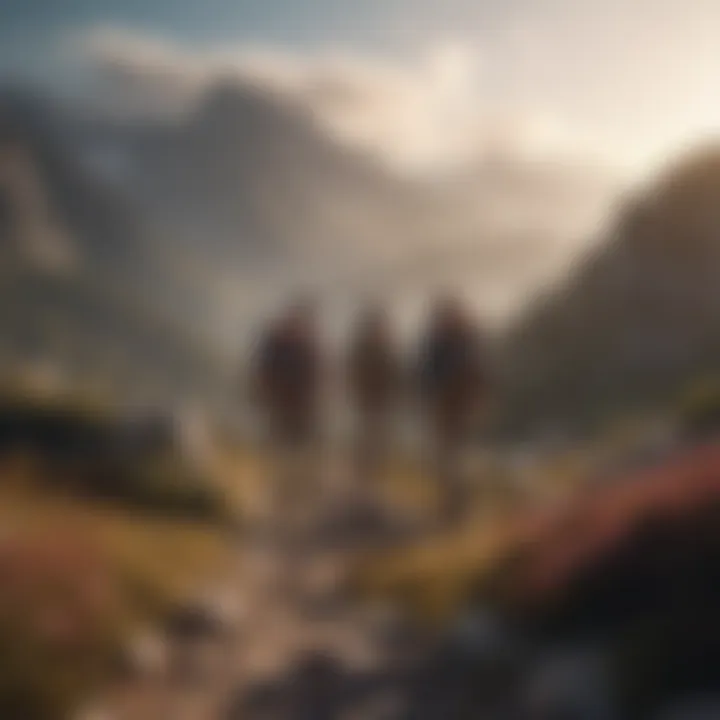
x=277, y=21
x=32, y=30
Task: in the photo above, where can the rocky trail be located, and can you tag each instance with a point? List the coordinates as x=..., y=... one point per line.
x=280, y=639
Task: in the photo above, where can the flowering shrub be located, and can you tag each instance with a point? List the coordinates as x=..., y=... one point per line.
x=633, y=567
x=57, y=604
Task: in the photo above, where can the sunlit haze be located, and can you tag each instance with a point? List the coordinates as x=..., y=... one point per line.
x=574, y=101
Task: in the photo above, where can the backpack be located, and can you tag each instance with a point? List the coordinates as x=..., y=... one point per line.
x=450, y=362
x=287, y=365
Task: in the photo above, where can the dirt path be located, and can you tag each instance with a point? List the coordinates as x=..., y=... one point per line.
x=294, y=646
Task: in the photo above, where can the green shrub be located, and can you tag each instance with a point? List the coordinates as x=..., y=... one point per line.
x=85, y=451
x=699, y=408
x=168, y=486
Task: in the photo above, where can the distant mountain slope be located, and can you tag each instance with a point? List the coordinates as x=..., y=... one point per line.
x=179, y=216
x=204, y=219
x=76, y=270
x=251, y=172
x=90, y=336
x=44, y=177
x=251, y=189
x=640, y=317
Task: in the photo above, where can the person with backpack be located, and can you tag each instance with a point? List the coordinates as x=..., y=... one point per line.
x=288, y=388
x=451, y=390
x=374, y=380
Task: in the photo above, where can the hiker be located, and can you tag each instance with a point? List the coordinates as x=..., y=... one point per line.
x=374, y=377
x=288, y=388
x=451, y=388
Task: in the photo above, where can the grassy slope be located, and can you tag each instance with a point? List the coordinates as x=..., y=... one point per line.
x=155, y=559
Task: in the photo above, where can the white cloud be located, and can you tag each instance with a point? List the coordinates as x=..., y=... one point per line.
x=425, y=112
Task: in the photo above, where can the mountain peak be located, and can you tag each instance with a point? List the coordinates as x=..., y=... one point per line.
x=242, y=107
x=691, y=185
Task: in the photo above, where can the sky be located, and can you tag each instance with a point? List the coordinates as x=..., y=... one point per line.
x=630, y=81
